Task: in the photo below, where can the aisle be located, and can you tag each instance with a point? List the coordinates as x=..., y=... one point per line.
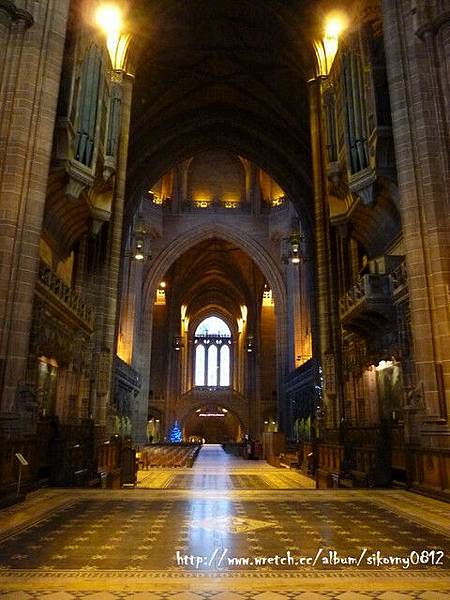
x=214, y=469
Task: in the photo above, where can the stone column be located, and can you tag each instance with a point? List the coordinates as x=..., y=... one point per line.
x=111, y=287
x=417, y=54
x=322, y=291
x=32, y=47
x=295, y=320
x=142, y=349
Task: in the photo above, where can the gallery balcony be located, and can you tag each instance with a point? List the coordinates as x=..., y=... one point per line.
x=63, y=300
x=399, y=283
x=368, y=305
x=126, y=376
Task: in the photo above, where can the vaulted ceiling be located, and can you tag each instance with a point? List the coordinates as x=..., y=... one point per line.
x=223, y=73
x=215, y=274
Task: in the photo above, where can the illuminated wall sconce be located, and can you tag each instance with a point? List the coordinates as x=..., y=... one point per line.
x=109, y=19
x=278, y=201
x=178, y=343
x=161, y=294
x=267, y=296
x=155, y=198
x=250, y=343
x=326, y=48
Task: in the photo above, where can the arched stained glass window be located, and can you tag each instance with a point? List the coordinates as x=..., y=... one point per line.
x=213, y=326
x=225, y=365
x=200, y=365
x=212, y=365
x=212, y=355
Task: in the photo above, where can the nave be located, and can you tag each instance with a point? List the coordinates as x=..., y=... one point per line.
x=185, y=541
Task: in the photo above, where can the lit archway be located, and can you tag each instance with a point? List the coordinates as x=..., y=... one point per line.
x=213, y=423
x=212, y=355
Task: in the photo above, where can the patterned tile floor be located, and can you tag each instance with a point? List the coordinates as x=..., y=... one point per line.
x=64, y=544
x=215, y=470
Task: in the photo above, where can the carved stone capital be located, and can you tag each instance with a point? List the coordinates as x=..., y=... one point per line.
x=362, y=183
x=11, y=14
x=79, y=179
x=428, y=19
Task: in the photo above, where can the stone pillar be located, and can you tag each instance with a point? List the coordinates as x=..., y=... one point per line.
x=417, y=54
x=322, y=279
x=114, y=250
x=284, y=412
x=142, y=350
x=31, y=46
x=294, y=315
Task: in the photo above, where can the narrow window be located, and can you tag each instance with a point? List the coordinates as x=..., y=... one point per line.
x=212, y=365
x=200, y=365
x=225, y=365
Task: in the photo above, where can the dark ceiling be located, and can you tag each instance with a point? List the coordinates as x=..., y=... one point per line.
x=223, y=73
x=215, y=274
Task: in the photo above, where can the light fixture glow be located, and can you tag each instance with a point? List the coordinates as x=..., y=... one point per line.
x=335, y=25
x=109, y=18
x=326, y=48
x=139, y=255
x=162, y=284
x=384, y=364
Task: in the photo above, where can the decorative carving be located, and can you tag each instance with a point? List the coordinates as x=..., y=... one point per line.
x=413, y=409
x=80, y=177
x=51, y=337
x=15, y=14
x=361, y=184
x=71, y=301
x=428, y=17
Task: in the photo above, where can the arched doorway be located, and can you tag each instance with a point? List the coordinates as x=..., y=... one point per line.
x=214, y=424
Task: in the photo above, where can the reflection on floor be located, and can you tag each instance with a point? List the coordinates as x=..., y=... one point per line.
x=183, y=543
x=215, y=470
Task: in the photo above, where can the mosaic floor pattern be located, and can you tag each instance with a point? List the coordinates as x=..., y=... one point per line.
x=221, y=544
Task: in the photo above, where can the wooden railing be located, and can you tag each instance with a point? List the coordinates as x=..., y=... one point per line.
x=371, y=288
x=66, y=295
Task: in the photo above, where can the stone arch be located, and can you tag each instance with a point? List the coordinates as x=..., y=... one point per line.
x=181, y=244
x=212, y=311
x=233, y=405
x=266, y=263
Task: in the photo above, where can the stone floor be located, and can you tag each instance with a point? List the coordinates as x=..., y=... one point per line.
x=215, y=470
x=222, y=531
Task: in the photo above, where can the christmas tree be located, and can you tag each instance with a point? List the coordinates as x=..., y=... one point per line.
x=175, y=434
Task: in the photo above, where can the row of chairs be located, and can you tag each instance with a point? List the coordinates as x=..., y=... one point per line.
x=168, y=456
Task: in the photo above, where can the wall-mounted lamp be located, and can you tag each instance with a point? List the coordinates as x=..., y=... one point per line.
x=250, y=343
x=110, y=20
x=178, y=343
x=327, y=47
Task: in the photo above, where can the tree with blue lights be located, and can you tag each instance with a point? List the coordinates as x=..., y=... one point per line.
x=175, y=435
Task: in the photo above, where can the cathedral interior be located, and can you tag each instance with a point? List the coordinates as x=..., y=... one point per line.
x=225, y=299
